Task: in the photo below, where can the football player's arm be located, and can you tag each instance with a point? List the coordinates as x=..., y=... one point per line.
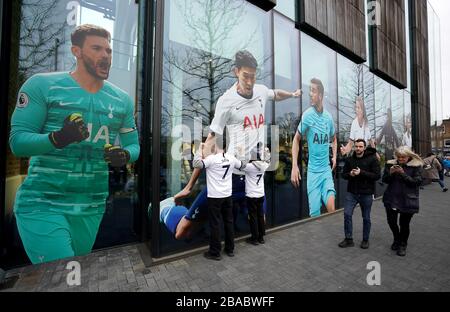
x=295, y=172
x=26, y=138
x=240, y=164
x=195, y=173
x=198, y=162
x=281, y=95
x=334, y=147
x=129, y=134
x=345, y=150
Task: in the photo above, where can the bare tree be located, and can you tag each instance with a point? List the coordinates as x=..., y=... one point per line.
x=208, y=26
x=41, y=35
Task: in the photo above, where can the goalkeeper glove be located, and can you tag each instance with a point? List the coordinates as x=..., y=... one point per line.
x=73, y=131
x=116, y=156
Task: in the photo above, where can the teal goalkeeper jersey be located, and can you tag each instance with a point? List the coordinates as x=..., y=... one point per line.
x=319, y=131
x=74, y=179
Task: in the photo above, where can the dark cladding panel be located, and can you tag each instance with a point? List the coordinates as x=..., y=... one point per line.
x=340, y=24
x=420, y=77
x=322, y=18
x=388, y=46
x=331, y=18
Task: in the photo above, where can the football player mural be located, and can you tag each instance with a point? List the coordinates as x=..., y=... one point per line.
x=68, y=123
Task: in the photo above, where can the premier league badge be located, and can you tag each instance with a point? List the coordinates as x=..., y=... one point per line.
x=22, y=101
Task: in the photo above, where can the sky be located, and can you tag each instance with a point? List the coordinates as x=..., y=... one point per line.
x=442, y=9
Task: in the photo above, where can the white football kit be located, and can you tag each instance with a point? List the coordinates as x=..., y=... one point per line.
x=254, y=179
x=243, y=118
x=219, y=169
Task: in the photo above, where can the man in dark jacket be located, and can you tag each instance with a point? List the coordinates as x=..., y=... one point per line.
x=362, y=170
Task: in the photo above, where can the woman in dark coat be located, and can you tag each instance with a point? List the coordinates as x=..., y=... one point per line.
x=404, y=177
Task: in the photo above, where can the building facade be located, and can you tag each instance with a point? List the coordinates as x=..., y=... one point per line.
x=175, y=59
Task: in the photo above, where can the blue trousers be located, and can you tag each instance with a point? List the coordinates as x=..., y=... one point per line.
x=365, y=201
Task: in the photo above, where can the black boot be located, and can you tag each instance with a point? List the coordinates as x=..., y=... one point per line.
x=395, y=245
x=348, y=242
x=401, y=250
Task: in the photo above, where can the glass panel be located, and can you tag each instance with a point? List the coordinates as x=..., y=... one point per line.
x=397, y=114
x=435, y=66
x=369, y=99
x=44, y=46
x=287, y=116
x=383, y=125
x=197, y=70
x=318, y=62
x=286, y=7
x=407, y=127
x=353, y=123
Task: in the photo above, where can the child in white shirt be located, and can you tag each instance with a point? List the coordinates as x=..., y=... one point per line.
x=219, y=169
x=254, y=192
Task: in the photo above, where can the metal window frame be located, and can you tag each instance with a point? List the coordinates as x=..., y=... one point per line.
x=5, y=29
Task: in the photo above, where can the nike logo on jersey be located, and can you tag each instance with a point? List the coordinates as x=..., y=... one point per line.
x=253, y=122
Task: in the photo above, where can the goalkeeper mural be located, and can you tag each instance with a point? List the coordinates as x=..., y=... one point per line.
x=69, y=124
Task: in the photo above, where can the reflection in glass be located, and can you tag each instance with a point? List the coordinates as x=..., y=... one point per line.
x=407, y=124
x=353, y=117
x=44, y=46
x=397, y=114
x=286, y=7
x=201, y=38
x=352, y=113
x=318, y=61
x=287, y=116
x=387, y=139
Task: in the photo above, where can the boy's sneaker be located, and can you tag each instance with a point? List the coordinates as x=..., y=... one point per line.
x=261, y=241
x=210, y=256
x=347, y=243
x=252, y=241
x=445, y=190
x=364, y=244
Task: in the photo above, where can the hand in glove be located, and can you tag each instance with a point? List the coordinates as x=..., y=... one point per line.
x=73, y=131
x=115, y=156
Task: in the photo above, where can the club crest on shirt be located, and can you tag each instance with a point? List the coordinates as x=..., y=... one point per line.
x=22, y=100
x=111, y=109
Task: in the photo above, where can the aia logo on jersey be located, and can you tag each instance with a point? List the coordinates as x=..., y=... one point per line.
x=323, y=139
x=253, y=122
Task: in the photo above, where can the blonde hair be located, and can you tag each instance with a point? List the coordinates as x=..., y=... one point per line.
x=406, y=151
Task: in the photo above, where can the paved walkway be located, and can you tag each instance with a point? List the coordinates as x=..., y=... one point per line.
x=302, y=258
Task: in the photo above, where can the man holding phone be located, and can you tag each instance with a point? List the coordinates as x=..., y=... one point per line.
x=362, y=170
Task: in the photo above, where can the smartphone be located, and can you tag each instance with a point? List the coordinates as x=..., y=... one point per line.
x=395, y=166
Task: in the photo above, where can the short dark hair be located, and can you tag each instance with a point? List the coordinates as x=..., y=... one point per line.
x=319, y=83
x=81, y=32
x=244, y=58
x=361, y=141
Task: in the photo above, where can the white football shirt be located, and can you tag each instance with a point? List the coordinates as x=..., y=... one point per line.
x=357, y=132
x=254, y=179
x=219, y=170
x=243, y=118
